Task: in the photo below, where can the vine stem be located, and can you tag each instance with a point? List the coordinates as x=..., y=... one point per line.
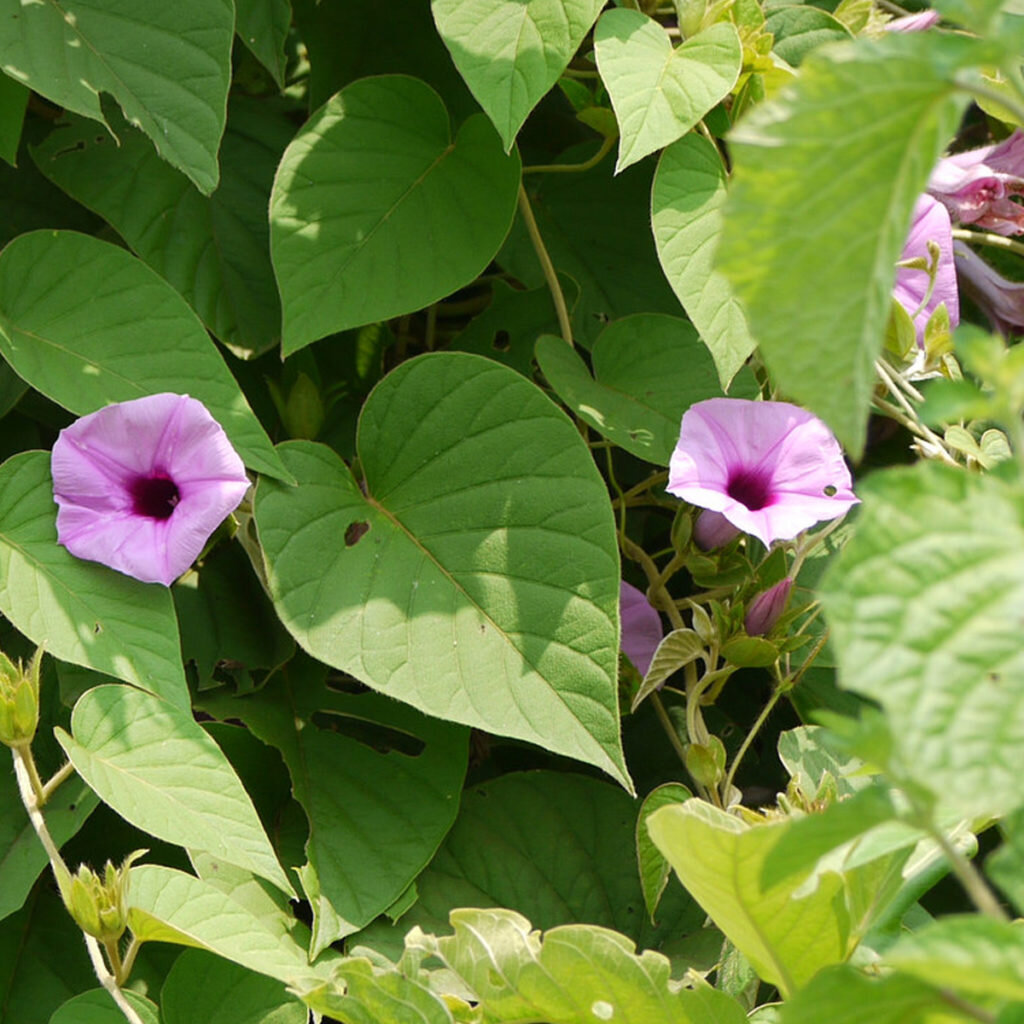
x=749, y=739
x=109, y=982
x=547, y=266
x=968, y=875
x=908, y=415
x=989, y=239
x=586, y=165
x=53, y=783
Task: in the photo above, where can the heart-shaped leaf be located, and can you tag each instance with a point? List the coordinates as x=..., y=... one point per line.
x=659, y=92
x=510, y=52
x=477, y=576
x=376, y=211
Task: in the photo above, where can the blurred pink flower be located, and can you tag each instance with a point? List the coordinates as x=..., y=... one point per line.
x=770, y=468
x=977, y=186
x=1000, y=299
x=930, y=224
x=764, y=611
x=914, y=22
x=142, y=485
x=641, y=627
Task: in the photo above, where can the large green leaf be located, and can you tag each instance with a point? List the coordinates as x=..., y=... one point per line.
x=842, y=995
x=686, y=214
x=511, y=52
x=13, y=100
x=557, y=847
x=649, y=370
x=96, y=1007
x=787, y=938
x=826, y=177
x=80, y=611
x=214, y=250
x=477, y=576
x=204, y=987
x=42, y=960
x=167, y=65
x=157, y=767
x=660, y=92
x=350, y=824
x=596, y=228
x=575, y=974
x=377, y=211
x=171, y=906
x=971, y=954
x=925, y=606
x=86, y=323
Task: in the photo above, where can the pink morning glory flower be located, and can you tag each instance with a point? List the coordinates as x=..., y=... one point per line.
x=930, y=224
x=764, y=611
x=770, y=468
x=641, y=627
x=913, y=22
x=141, y=485
x=977, y=186
x=1000, y=299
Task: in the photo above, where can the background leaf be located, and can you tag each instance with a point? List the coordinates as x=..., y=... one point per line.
x=73, y=51
x=13, y=100
x=155, y=766
x=485, y=590
x=96, y=1007
x=870, y=118
x=659, y=92
x=511, y=52
x=213, y=250
x=263, y=26
x=80, y=611
x=377, y=211
x=86, y=323
x=686, y=214
x=925, y=604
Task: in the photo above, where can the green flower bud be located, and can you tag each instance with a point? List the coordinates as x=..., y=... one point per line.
x=19, y=700
x=100, y=905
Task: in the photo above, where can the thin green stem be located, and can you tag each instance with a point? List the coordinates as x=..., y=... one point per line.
x=606, y=144
x=32, y=772
x=909, y=417
x=561, y=310
x=988, y=238
x=967, y=1008
x=749, y=739
x=24, y=768
x=128, y=962
x=53, y=783
x=968, y=875
x=666, y=724
x=109, y=982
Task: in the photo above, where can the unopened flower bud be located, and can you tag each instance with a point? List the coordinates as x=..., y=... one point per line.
x=712, y=530
x=19, y=700
x=100, y=905
x=764, y=611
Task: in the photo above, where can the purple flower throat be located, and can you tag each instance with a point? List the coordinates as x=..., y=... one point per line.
x=750, y=488
x=154, y=497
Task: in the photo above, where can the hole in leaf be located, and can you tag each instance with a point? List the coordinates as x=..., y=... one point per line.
x=830, y=491
x=381, y=738
x=355, y=532
x=502, y=341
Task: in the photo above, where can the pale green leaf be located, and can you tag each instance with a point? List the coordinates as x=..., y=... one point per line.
x=80, y=611
x=167, y=65
x=97, y=1007
x=263, y=26
x=349, y=822
x=686, y=215
x=842, y=995
x=971, y=954
x=214, y=250
x=377, y=211
x=654, y=868
x=87, y=324
x=171, y=906
x=574, y=974
x=157, y=767
x=649, y=370
x=676, y=650
x=826, y=177
x=925, y=604
x=787, y=938
x=659, y=92
x=203, y=987
x=507, y=620
x=511, y=52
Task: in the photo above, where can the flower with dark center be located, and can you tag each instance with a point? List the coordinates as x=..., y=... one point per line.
x=141, y=485
x=770, y=469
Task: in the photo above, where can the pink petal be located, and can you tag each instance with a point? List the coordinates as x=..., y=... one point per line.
x=641, y=627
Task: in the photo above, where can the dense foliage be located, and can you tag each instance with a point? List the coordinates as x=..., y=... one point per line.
x=549, y=665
